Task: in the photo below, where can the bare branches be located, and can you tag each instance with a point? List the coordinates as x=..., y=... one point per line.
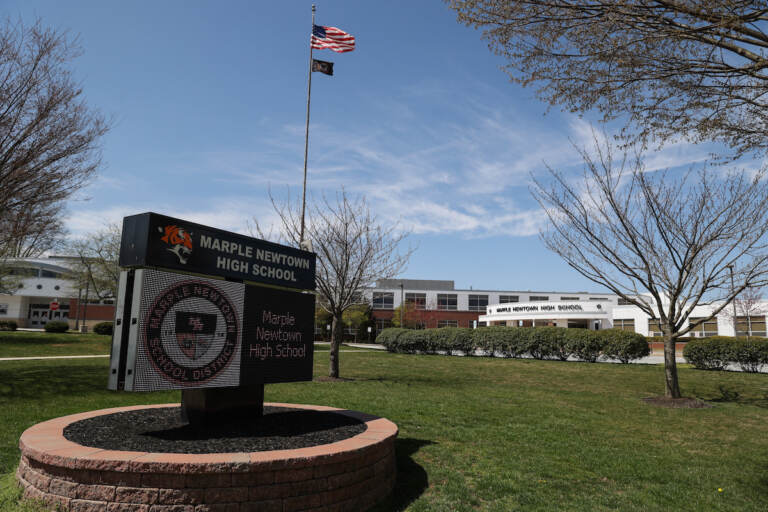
x=48, y=136
x=97, y=261
x=353, y=251
x=664, y=242
x=679, y=67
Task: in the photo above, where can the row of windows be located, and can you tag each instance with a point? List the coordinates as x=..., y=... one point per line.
x=745, y=326
x=34, y=272
x=385, y=323
x=448, y=301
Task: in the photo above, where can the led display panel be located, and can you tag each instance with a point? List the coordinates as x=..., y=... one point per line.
x=179, y=331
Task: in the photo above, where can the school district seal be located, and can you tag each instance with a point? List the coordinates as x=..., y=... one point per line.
x=191, y=332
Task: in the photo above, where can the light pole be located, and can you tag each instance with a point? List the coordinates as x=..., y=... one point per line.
x=733, y=302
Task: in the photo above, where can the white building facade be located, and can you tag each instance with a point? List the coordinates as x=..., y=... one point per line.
x=43, y=282
x=610, y=314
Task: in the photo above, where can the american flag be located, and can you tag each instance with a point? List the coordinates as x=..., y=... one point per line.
x=332, y=38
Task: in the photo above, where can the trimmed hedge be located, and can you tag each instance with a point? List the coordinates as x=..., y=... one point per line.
x=105, y=328
x=717, y=352
x=708, y=353
x=56, y=326
x=585, y=344
x=537, y=342
x=8, y=325
x=625, y=346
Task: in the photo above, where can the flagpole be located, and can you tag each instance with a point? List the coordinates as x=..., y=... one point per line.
x=306, y=134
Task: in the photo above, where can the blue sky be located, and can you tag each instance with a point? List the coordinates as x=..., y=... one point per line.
x=208, y=101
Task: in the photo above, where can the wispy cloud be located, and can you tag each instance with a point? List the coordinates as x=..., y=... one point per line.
x=435, y=160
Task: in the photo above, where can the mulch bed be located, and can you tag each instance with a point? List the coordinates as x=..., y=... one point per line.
x=162, y=430
x=676, y=403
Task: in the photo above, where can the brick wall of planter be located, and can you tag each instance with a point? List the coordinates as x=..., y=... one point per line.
x=349, y=475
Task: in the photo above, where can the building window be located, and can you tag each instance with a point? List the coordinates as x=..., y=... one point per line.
x=538, y=298
x=3, y=309
x=478, y=302
x=654, y=328
x=446, y=301
x=506, y=299
x=24, y=272
x=708, y=328
x=417, y=300
x=625, y=324
x=624, y=302
x=750, y=326
x=383, y=323
x=603, y=299
x=48, y=273
x=383, y=300
x=569, y=298
x=447, y=323
x=39, y=287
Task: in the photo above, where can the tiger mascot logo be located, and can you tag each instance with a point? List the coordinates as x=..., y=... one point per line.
x=179, y=240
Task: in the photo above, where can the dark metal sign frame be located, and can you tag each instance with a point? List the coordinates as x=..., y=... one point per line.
x=157, y=241
x=175, y=329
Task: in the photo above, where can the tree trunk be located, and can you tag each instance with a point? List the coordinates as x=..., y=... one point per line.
x=337, y=331
x=670, y=366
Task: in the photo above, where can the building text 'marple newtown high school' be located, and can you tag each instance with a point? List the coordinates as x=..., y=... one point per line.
x=431, y=303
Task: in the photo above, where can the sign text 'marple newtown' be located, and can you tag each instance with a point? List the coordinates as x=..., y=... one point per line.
x=248, y=267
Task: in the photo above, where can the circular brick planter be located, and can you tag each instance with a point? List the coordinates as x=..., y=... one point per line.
x=349, y=475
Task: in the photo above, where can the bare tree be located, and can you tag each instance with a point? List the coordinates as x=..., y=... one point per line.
x=697, y=68
x=96, y=261
x=48, y=136
x=748, y=304
x=662, y=241
x=353, y=251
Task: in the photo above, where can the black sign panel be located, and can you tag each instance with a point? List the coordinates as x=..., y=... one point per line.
x=152, y=240
x=195, y=332
x=278, y=336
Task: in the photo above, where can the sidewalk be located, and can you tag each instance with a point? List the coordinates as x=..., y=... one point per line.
x=50, y=357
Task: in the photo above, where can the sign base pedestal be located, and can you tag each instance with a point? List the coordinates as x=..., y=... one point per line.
x=208, y=405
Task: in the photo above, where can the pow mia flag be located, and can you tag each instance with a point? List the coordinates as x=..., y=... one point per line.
x=322, y=66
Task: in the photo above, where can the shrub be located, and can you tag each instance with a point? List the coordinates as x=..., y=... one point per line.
x=586, y=345
x=389, y=338
x=449, y=339
x=505, y=341
x=624, y=345
x=546, y=342
x=56, y=326
x=750, y=354
x=422, y=340
x=709, y=353
x=106, y=328
x=462, y=340
x=8, y=325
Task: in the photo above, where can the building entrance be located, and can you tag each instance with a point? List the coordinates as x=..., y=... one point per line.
x=41, y=314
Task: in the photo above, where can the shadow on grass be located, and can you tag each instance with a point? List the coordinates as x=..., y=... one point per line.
x=411, y=480
x=46, y=381
x=726, y=394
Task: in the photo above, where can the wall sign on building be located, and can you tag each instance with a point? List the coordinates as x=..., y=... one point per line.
x=177, y=330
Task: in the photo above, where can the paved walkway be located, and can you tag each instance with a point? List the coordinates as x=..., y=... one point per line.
x=50, y=357
x=31, y=358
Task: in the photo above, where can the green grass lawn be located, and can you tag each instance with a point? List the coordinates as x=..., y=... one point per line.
x=30, y=343
x=492, y=434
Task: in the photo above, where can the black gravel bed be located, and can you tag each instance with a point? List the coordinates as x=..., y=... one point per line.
x=162, y=430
